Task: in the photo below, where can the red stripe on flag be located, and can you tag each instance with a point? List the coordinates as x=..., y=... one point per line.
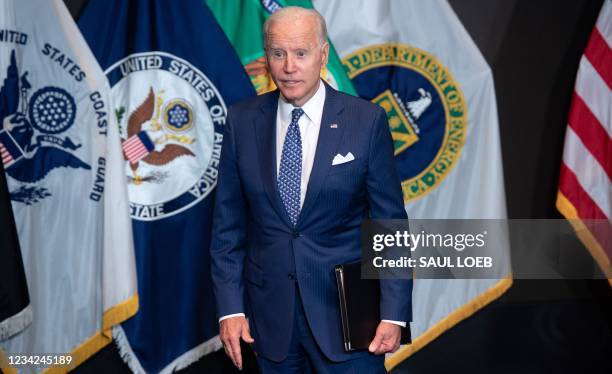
x=599, y=237
x=586, y=208
x=602, y=232
x=600, y=56
x=573, y=191
x=591, y=133
x=6, y=156
x=134, y=149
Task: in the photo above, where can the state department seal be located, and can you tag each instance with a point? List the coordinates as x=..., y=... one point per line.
x=425, y=107
x=170, y=118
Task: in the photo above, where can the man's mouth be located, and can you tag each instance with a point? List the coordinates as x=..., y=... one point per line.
x=290, y=83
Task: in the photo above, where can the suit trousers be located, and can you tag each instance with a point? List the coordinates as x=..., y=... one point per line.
x=305, y=356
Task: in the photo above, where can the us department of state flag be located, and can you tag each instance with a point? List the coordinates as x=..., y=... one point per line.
x=62, y=156
x=173, y=75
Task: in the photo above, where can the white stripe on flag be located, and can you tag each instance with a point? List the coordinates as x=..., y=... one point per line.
x=588, y=171
x=604, y=22
x=595, y=93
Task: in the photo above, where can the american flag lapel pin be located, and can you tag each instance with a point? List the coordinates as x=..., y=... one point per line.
x=333, y=126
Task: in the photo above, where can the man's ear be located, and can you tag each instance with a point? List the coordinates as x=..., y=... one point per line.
x=324, y=55
x=266, y=59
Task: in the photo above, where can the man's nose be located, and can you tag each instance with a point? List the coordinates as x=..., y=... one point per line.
x=289, y=66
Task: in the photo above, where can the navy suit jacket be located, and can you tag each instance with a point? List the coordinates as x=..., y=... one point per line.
x=256, y=249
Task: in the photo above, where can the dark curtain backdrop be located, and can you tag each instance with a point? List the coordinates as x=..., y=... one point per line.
x=533, y=48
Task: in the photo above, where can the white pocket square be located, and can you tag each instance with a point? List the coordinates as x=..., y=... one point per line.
x=339, y=159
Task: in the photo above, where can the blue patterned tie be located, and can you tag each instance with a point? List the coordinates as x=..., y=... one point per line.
x=290, y=173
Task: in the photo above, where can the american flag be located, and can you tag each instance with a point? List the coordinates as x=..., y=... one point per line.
x=585, y=190
x=137, y=147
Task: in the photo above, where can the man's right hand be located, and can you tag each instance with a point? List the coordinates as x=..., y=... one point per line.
x=231, y=330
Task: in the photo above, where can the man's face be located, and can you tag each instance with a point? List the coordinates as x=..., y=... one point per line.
x=295, y=58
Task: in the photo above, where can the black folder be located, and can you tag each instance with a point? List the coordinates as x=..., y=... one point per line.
x=359, y=307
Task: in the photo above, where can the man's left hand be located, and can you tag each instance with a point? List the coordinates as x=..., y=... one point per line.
x=387, y=338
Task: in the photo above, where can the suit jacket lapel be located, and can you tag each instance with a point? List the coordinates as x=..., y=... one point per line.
x=265, y=129
x=327, y=147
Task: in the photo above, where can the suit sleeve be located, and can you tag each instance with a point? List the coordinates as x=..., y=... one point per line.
x=386, y=201
x=229, y=236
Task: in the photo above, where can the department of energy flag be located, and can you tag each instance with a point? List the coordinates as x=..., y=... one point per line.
x=585, y=188
x=15, y=309
x=173, y=75
x=68, y=193
x=415, y=59
x=243, y=22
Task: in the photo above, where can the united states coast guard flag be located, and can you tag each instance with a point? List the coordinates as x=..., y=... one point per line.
x=63, y=160
x=415, y=59
x=173, y=74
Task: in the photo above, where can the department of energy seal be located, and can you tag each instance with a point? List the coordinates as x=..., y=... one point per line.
x=425, y=107
x=170, y=118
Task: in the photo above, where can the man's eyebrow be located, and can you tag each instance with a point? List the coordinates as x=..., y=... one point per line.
x=272, y=48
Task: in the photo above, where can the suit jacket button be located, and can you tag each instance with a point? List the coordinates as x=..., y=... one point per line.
x=296, y=234
x=291, y=276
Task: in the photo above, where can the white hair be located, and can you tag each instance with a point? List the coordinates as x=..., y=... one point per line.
x=294, y=13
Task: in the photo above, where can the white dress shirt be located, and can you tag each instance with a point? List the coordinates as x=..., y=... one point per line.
x=309, y=124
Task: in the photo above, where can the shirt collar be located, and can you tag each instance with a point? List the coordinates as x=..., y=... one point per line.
x=313, y=108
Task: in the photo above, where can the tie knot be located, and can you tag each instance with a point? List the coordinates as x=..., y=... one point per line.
x=296, y=114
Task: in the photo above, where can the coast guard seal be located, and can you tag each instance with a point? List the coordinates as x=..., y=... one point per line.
x=37, y=122
x=425, y=107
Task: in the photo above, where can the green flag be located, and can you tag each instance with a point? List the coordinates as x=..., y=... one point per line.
x=242, y=21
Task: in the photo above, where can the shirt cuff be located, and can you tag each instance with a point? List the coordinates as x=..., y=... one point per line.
x=237, y=315
x=399, y=323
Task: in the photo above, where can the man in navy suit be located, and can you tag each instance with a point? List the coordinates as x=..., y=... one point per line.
x=301, y=168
